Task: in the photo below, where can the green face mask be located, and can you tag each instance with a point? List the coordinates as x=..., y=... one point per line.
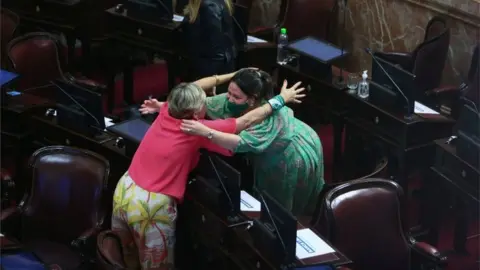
x=236, y=109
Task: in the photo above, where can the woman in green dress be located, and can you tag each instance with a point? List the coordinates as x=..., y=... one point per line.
x=286, y=153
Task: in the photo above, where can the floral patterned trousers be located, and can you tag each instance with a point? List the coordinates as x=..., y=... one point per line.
x=145, y=222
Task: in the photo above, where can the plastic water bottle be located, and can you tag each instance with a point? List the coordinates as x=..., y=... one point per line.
x=282, y=42
x=363, y=87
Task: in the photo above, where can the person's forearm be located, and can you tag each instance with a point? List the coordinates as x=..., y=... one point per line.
x=212, y=81
x=225, y=140
x=253, y=117
x=159, y=105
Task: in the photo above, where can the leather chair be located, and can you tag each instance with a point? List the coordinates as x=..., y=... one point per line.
x=380, y=170
x=36, y=57
x=377, y=239
x=428, y=59
x=268, y=32
x=64, y=209
x=301, y=18
x=310, y=18
x=109, y=252
x=7, y=195
x=8, y=22
x=449, y=99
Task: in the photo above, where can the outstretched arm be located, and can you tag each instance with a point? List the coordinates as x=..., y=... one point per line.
x=231, y=141
x=289, y=95
x=211, y=82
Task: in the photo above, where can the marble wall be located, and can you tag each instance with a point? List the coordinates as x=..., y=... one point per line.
x=398, y=25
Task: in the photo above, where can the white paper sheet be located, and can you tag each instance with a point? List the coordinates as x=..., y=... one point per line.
x=252, y=39
x=310, y=245
x=108, y=122
x=420, y=108
x=177, y=18
x=1, y=235
x=248, y=203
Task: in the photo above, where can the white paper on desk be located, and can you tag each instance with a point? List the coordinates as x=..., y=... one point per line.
x=108, y=122
x=177, y=18
x=422, y=109
x=248, y=203
x=252, y=39
x=310, y=245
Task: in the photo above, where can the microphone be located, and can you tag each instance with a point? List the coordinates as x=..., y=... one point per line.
x=343, y=5
x=78, y=104
x=219, y=178
x=270, y=216
x=369, y=51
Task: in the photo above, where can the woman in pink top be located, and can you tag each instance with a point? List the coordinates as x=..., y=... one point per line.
x=145, y=199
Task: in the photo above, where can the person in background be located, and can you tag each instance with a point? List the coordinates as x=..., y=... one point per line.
x=208, y=32
x=146, y=197
x=286, y=153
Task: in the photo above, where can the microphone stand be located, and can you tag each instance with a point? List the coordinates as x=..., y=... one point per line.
x=407, y=101
x=233, y=215
x=340, y=82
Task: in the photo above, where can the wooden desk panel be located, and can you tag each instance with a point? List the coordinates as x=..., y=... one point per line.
x=451, y=176
x=238, y=242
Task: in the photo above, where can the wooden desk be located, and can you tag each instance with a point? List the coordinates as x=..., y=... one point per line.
x=409, y=141
x=237, y=244
x=451, y=175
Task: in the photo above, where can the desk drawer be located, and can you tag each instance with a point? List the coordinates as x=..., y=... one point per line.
x=375, y=121
x=203, y=221
x=453, y=166
x=54, y=12
x=141, y=30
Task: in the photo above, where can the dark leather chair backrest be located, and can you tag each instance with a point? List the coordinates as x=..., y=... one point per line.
x=109, y=252
x=429, y=57
x=8, y=22
x=36, y=57
x=67, y=194
x=379, y=171
x=364, y=223
x=309, y=18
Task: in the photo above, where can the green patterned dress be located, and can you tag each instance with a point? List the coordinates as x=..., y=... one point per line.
x=286, y=153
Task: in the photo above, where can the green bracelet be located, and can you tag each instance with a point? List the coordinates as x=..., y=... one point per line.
x=276, y=102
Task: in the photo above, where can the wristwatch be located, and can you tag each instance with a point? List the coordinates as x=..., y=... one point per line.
x=210, y=135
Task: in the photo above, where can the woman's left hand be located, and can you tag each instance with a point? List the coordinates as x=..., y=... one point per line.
x=292, y=94
x=193, y=127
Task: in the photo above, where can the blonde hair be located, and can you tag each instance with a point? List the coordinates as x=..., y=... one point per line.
x=185, y=100
x=193, y=6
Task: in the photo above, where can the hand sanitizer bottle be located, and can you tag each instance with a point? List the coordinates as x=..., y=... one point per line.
x=363, y=86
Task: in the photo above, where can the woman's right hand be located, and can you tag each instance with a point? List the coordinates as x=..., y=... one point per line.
x=292, y=94
x=150, y=106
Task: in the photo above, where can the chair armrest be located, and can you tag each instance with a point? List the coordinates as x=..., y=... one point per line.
x=404, y=60
x=444, y=90
x=87, y=240
x=10, y=220
x=429, y=252
x=8, y=214
x=89, y=83
x=266, y=33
